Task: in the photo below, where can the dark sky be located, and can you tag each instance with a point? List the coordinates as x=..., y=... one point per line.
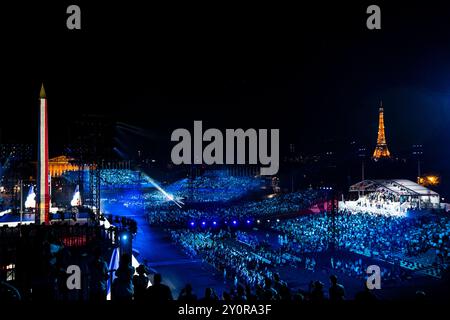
x=314, y=71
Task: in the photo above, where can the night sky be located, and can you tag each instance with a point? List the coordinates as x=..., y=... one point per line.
x=315, y=72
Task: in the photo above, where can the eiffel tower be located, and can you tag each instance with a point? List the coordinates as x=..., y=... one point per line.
x=381, y=150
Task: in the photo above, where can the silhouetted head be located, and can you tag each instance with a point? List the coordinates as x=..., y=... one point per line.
x=141, y=269
x=333, y=279
x=157, y=278
x=318, y=285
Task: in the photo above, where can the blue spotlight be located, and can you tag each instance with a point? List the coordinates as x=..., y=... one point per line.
x=124, y=237
x=234, y=222
x=248, y=221
x=203, y=223
x=214, y=223
x=192, y=223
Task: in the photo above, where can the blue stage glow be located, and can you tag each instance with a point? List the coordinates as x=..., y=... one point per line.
x=124, y=237
x=234, y=222
x=192, y=224
x=248, y=221
x=203, y=223
x=214, y=223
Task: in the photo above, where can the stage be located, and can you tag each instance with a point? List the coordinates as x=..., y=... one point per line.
x=13, y=220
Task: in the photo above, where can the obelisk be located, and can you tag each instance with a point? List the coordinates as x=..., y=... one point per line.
x=43, y=192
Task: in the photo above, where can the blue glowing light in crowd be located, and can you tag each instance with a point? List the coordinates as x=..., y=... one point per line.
x=167, y=195
x=215, y=223
x=124, y=237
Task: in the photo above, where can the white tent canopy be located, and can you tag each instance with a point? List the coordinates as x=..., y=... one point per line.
x=402, y=191
x=401, y=187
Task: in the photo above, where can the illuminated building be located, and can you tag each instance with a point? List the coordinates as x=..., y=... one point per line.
x=59, y=165
x=381, y=150
x=429, y=180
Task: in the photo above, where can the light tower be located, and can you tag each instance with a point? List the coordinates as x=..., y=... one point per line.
x=43, y=186
x=381, y=150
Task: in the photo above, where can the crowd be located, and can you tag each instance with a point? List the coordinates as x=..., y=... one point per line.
x=374, y=235
x=210, y=198
x=116, y=178
x=236, y=261
x=214, y=186
x=252, y=269
x=251, y=210
x=128, y=287
x=132, y=284
x=210, y=231
x=110, y=178
x=305, y=243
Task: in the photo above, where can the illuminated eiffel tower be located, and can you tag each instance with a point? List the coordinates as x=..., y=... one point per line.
x=381, y=150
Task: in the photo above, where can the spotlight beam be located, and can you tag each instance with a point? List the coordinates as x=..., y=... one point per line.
x=168, y=196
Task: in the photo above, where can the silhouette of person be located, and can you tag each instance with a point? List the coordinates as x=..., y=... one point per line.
x=210, y=295
x=98, y=278
x=140, y=282
x=186, y=294
x=317, y=294
x=158, y=292
x=336, y=291
x=123, y=288
x=269, y=292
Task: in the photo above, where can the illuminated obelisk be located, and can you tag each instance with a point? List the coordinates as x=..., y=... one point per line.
x=43, y=192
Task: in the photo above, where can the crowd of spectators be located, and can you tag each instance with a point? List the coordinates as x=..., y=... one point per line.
x=385, y=237
x=251, y=271
x=214, y=186
x=110, y=178
x=251, y=210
